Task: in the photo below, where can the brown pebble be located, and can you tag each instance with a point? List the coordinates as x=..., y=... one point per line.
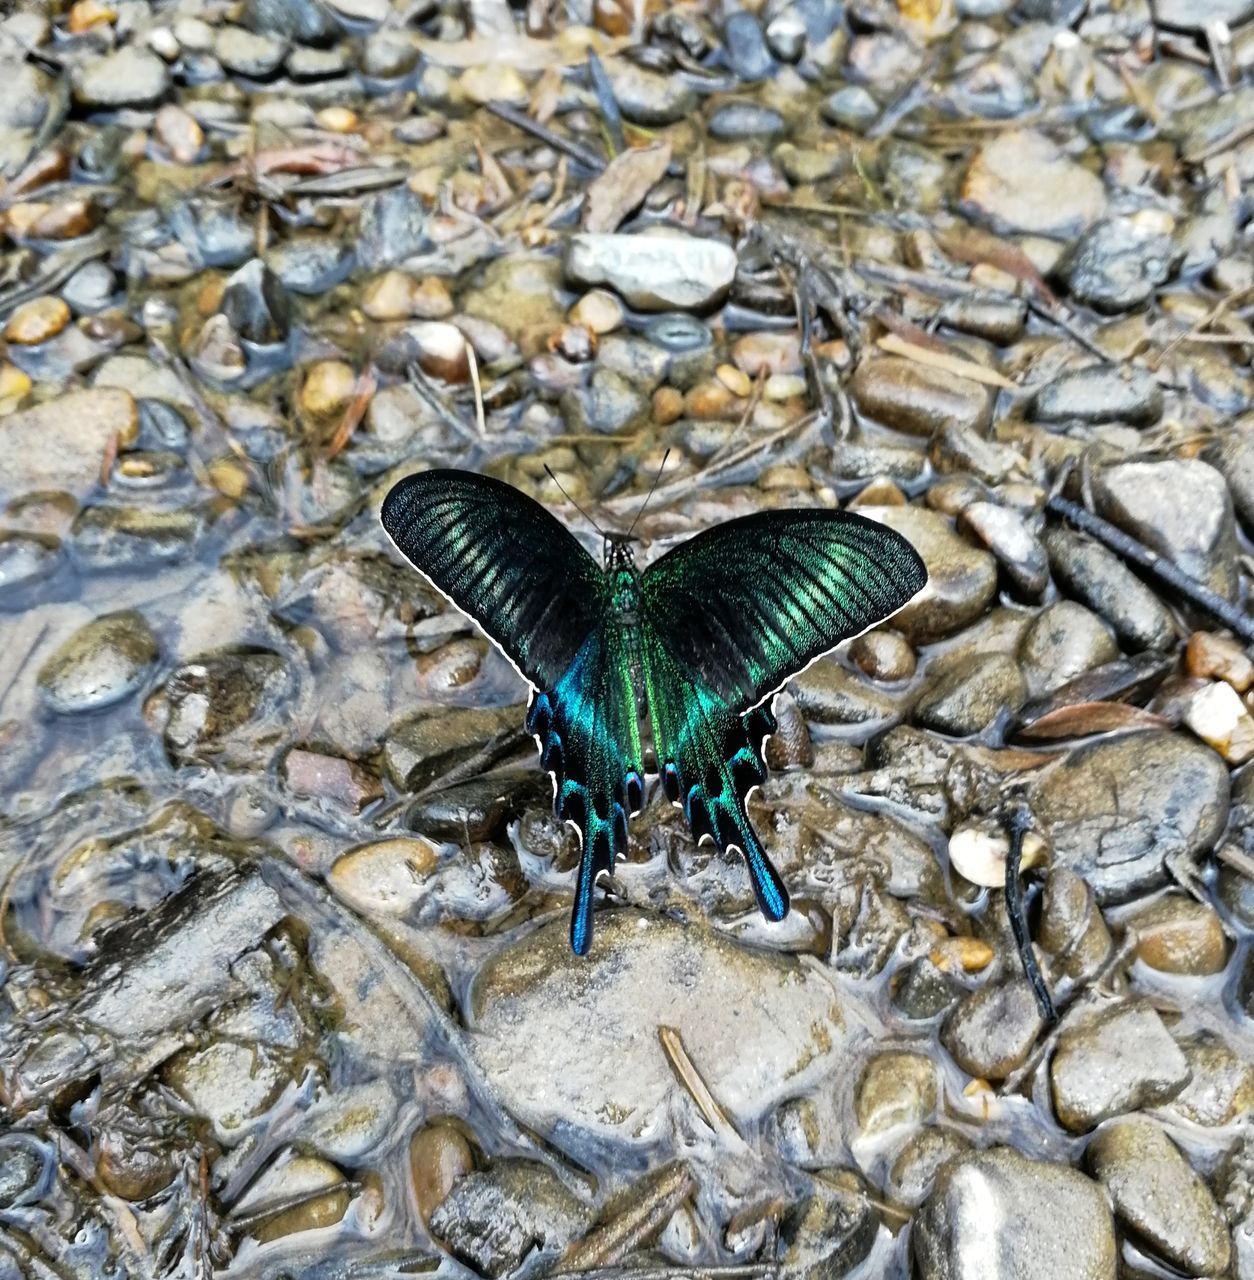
x=387, y=297
x=439, y=1154
x=711, y=399
x=37, y=320
x=337, y=119
x=179, y=132
x=1176, y=934
x=1219, y=657
x=329, y=386
x=883, y=654
x=440, y=349
x=735, y=380
x=881, y=492
x=87, y=14
x=14, y=386
x=129, y=1168
x=65, y=220
x=599, y=311
x=452, y=666
x=325, y=777
x=668, y=406
x=769, y=352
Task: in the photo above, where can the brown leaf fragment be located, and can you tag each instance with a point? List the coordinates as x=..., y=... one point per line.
x=969, y=244
x=622, y=187
x=1085, y=718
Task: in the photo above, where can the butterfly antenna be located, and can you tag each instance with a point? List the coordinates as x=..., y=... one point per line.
x=572, y=502
x=652, y=491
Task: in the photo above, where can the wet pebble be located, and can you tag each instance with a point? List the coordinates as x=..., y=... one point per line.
x=439, y=1156
x=736, y=120
x=832, y=1231
x=916, y=1165
x=608, y=404
x=962, y=579
x=1180, y=508
x=1221, y=1089
x=1055, y=1222
x=1118, y=265
x=967, y=696
x=654, y=273
x=248, y=53
x=1119, y=1059
x=1061, y=642
x=90, y=289
x=883, y=654
x=917, y=398
x=896, y=1088
x=330, y=780
x=1007, y=535
x=1099, y=579
x=1159, y=1198
x=128, y=77
x=493, y=1218
x=1175, y=934
x=310, y=265
x=37, y=321
x=647, y=97
x=99, y=665
x=1100, y=393
x=992, y=1030
x=1115, y=810
x=851, y=107
x=1023, y=181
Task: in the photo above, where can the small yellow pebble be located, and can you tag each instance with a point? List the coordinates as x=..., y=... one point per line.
x=229, y=476
x=737, y=381
x=37, y=321
x=328, y=388
x=14, y=386
x=89, y=13
x=337, y=119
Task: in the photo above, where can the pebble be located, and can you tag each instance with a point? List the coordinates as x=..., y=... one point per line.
x=770, y=353
x=534, y=1013
x=647, y=97
x=1117, y=1060
x=1208, y=655
x=1022, y=181
x=914, y=1170
x=1100, y=393
x=993, y=1029
x=330, y=780
x=897, y=1088
x=654, y=273
x=1062, y=641
x=439, y=1155
x=1052, y=1221
x=1117, y=265
x=735, y=120
x=1221, y=1089
x=99, y=665
x=90, y=289
x=598, y=311
x=248, y=52
x=328, y=388
x=440, y=350
x=1217, y=715
x=1159, y=1198
x=59, y=444
x=128, y=77
x=883, y=654
x=37, y=321
x=1007, y=535
x=746, y=47
x=388, y=877
x=1179, y=507
x=1175, y=934
x=310, y=265
x=962, y=579
x=1099, y=579
x=1115, y=810
x=918, y=399
x=970, y=694
x=851, y=107
x=610, y=403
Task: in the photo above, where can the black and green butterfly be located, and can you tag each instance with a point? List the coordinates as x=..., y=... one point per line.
x=704, y=638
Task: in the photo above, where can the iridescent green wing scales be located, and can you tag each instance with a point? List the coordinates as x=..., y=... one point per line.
x=590, y=742
x=726, y=619
x=508, y=564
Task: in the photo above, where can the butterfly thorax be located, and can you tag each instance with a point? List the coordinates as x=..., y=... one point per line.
x=624, y=580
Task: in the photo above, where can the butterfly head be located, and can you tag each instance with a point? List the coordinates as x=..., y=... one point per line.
x=618, y=551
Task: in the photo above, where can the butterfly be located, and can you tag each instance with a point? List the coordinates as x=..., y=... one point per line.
x=703, y=639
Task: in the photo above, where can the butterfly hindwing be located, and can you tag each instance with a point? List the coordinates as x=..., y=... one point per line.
x=590, y=742
x=746, y=605
x=728, y=618
x=505, y=561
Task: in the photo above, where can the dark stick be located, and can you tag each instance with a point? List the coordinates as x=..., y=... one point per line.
x=521, y=120
x=1231, y=615
x=607, y=102
x=1017, y=821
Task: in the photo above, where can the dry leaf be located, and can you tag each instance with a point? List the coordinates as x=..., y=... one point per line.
x=622, y=187
x=941, y=360
x=1085, y=718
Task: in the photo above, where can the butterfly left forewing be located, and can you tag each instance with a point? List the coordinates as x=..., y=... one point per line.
x=727, y=619
x=590, y=742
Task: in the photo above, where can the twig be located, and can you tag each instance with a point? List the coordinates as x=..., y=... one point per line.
x=355, y=411
x=610, y=114
x=1237, y=859
x=1017, y=822
x=473, y=361
x=1197, y=593
x=688, y=1075
x=521, y=120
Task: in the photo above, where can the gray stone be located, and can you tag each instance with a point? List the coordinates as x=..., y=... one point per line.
x=913, y=1173
x=129, y=77
x=610, y=403
x=393, y=227
x=541, y=1013
x=247, y=52
x=1159, y=1198
x=1235, y=458
x=993, y=1029
x=746, y=46
x=1099, y=579
x=831, y=1231
x=851, y=107
x=1181, y=508
x=1117, y=265
x=1064, y=640
x=971, y=694
x=100, y=664
x=648, y=97
x=996, y=1215
x=654, y=273
x=1117, y=1060
x=494, y=1218
x=1189, y=16
x=1018, y=550
x=917, y=398
x=1115, y=810
x=110, y=537
x=1101, y=393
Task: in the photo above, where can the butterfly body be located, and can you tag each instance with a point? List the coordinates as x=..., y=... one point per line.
x=700, y=641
